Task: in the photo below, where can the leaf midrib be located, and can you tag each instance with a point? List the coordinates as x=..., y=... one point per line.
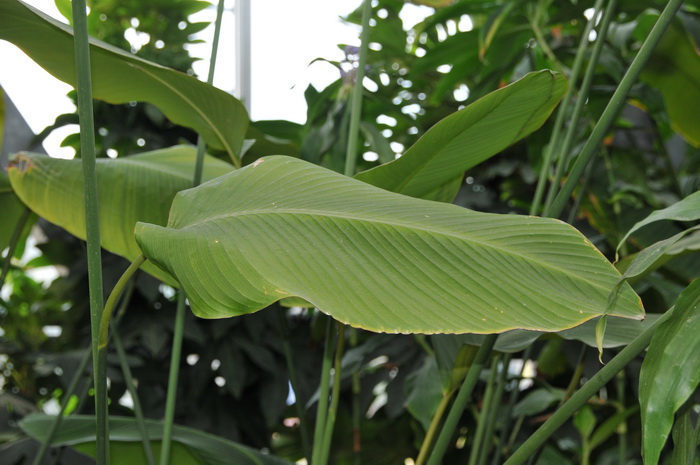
x=328, y=214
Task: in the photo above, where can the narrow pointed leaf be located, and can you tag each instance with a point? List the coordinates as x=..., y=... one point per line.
x=119, y=77
x=470, y=136
x=374, y=259
x=209, y=449
x=670, y=372
x=687, y=209
x=131, y=189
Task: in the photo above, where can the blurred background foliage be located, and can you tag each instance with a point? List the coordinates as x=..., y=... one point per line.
x=234, y=380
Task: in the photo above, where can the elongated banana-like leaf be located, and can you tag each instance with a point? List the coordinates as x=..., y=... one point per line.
x=79, y=431
x=11, y=209
x=670, y=372
x=470, y=136
x=119, y=77
x=131, y=189
x=374, y=259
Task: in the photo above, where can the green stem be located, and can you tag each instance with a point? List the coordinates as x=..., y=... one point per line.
x=562, y=150
x=356, y=413
x=92, y=221
x=493, y=408
x=503, y=443
x=433, y=428
x=39, y=458
x=114, y=297
x=481, y=425
x=199, y=164
x=356, y=109
x=171, y=395
x=294, y=380
x=616, y=102
x=14, y=240
x=322, y=408
x=335, y=397
x=588, y=390
x=461, y=401
x=622, y=429
x=128, y=379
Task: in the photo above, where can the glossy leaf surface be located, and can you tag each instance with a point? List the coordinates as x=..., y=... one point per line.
x=131, y=189
x=373, y=259
x=119, y=77
x=670, y=372
x=471, y=135
x=209, y=449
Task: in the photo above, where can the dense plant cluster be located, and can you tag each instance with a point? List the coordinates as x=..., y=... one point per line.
x=489, y=105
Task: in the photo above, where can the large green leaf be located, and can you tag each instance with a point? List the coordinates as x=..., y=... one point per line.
x=374, y=259
x=674, y=69
x=78, y=430
x=119, y=77
x=131, y=189
x=670, y=372
x=471, y=135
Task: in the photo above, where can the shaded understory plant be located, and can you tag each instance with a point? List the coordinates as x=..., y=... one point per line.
x=406, y=325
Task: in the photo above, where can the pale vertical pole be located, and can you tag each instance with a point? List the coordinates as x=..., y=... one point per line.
x=243, y=55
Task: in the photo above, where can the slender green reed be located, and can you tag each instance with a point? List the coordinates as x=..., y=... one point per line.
x=562, y=113
x=460, y=402
x=322, y=409
x=562, y=150
x=171, y=395
x=482, y=422
x=335, y=396
x=356, y=110
x=94, y=258
x=613, y=108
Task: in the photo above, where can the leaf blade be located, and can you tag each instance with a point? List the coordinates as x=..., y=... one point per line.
x=250, y=238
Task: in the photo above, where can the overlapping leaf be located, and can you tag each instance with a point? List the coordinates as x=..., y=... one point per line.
x=131, y=189
x=670, y=372
x=471, y=135
x=119, y=77
x=374, y=259
x=79, y=430
x=11, y=209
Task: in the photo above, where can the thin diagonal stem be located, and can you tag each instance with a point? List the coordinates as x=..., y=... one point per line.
x=322, y=409
x=335, y=396
x=581, y=396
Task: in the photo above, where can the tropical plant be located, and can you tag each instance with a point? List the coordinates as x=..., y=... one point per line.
x=309, y=248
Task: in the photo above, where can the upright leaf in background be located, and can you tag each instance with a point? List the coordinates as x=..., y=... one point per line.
x=118, y=77
x=470, y=136
x=375, y=259
x=131, y=189
x=670, y=372
x=674, y=68
x=11, y=209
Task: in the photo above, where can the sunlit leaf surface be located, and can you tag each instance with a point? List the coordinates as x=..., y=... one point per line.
x=374, y=259
x=131, y=189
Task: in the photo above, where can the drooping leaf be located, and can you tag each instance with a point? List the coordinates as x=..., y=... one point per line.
x=670, y=371
x=131, y=189
x=674, y=68
x=209, y=449
x=119, y=77
x=618, y=331
x=374, y=259
x=687, y=209
x=471, y=135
